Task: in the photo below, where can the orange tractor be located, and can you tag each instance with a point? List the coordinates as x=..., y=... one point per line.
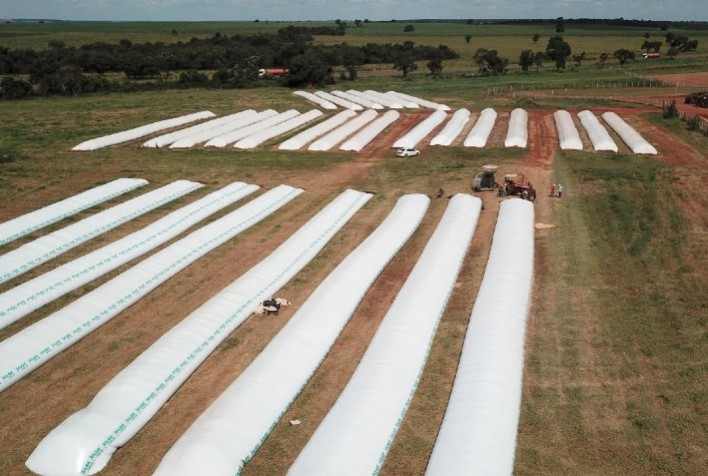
x=522, y=187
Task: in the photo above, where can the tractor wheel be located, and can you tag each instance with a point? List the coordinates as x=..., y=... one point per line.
x=525, y=194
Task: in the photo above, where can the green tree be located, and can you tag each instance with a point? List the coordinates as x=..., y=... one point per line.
x=352, y=58
x=408, y=28
x=538, y=59
x=404, y=62
x=526, y=60
x=536, y=37
x=603, y=59
x=623, y=55
x=560, y=28
x=357, y=23
x=309, y=68
x=673, y=52
x=435, y=66
x=647, y=35
x=13, y=88
x=558, y=51
x=654, y=46
x=468, y=38
x=479, y=59
x=578, y=59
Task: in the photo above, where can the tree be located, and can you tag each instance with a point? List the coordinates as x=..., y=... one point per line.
x=577, y=59
x=404, y=62
x=309, y=68
x=673, y=52
x=479, y=58
x=602, y=59
x=535, y=37
x=192, y=78
x=175, y=32
x=558, y=51
x=357, y=23
x=408, y=28
x=468, y=38
x=538, y=59
x=489, y=62
x=559, y=25
x=671, y=111
x=654, y=46
x=12, y=88
x=623, y=55
x=435, y=66
x=526, y=60
x=352, y=58
x=647, y=35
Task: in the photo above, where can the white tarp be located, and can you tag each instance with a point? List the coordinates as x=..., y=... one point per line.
x=419, y=101
x=568, y=136
x=384, y=100
x=167, y=139
x=629, y=136
x=230, y=431
x=478, y=433
x=320, y=101
x=599, y=136
x=420, y=131
x=142, y=131
x=243, y=132
x=259, y=137
x=452, y=129
x=203, y=136
x=517, y=135
x=360, y=140
x=33, y=294
x=479, y=134
x=336, y=136
x=298, y=141
x=33, y=221
x=23, y=352
x=85, y=442
x=357, y=100
x=354, y=437
x=339, y=101
x=47, y=247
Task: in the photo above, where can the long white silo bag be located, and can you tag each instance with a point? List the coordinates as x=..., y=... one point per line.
x=244, y=120
x=360, y=140
x=313, y=98
x=600, y=138
x=478, y=433
x=629, y=136
x=354, y=437
x=142, y=131
x=47, y=247
x=568, y=137
x=452, y=129
x=336, y=136
x=242, y=132
x=85, y=441
x=299, y=140
x=244, y=414
x=23, y=352
x=33, y=294
x=339, y=101
x=45, y=216
x=517, y=135
x=258, y=138
x=479, y=134
x=167, y=139
x=421, y=130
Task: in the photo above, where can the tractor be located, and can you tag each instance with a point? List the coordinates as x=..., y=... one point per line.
x=521, y=187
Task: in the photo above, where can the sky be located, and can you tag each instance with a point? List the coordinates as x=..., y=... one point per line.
x=300, y=10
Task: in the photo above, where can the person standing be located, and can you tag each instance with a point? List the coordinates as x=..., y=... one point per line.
x=553, y=190
x=560, y=190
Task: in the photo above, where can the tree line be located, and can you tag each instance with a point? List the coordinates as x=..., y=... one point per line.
x=218, y=61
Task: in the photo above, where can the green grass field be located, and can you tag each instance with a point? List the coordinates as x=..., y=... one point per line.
x=615, y=370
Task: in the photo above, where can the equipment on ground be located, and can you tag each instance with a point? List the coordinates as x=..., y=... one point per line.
x=521, y=187
x=485, y=179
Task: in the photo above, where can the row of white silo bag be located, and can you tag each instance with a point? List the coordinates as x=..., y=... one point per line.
x=23, y=352
x=339, y=134
x=30, y=295
x=629, y=136
x=378, y=98
x=362, y=138
x=171, y=137
x=259, y=137
x=600, y=138
x=299, y=140
x=453, y=128
x=355, y=435
x=568, y=137
x=242, y=119
x=315, y=99
x=479, y=134
x=421, y=130
x=85, y=442
x=517, y=135
x=478, y=433
x=244, y=414
x=45, y=216
x=357, y=99
x=420, y=102
x=339, y=101
x=236, y=135
x=142, y=131
x=47, y=247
